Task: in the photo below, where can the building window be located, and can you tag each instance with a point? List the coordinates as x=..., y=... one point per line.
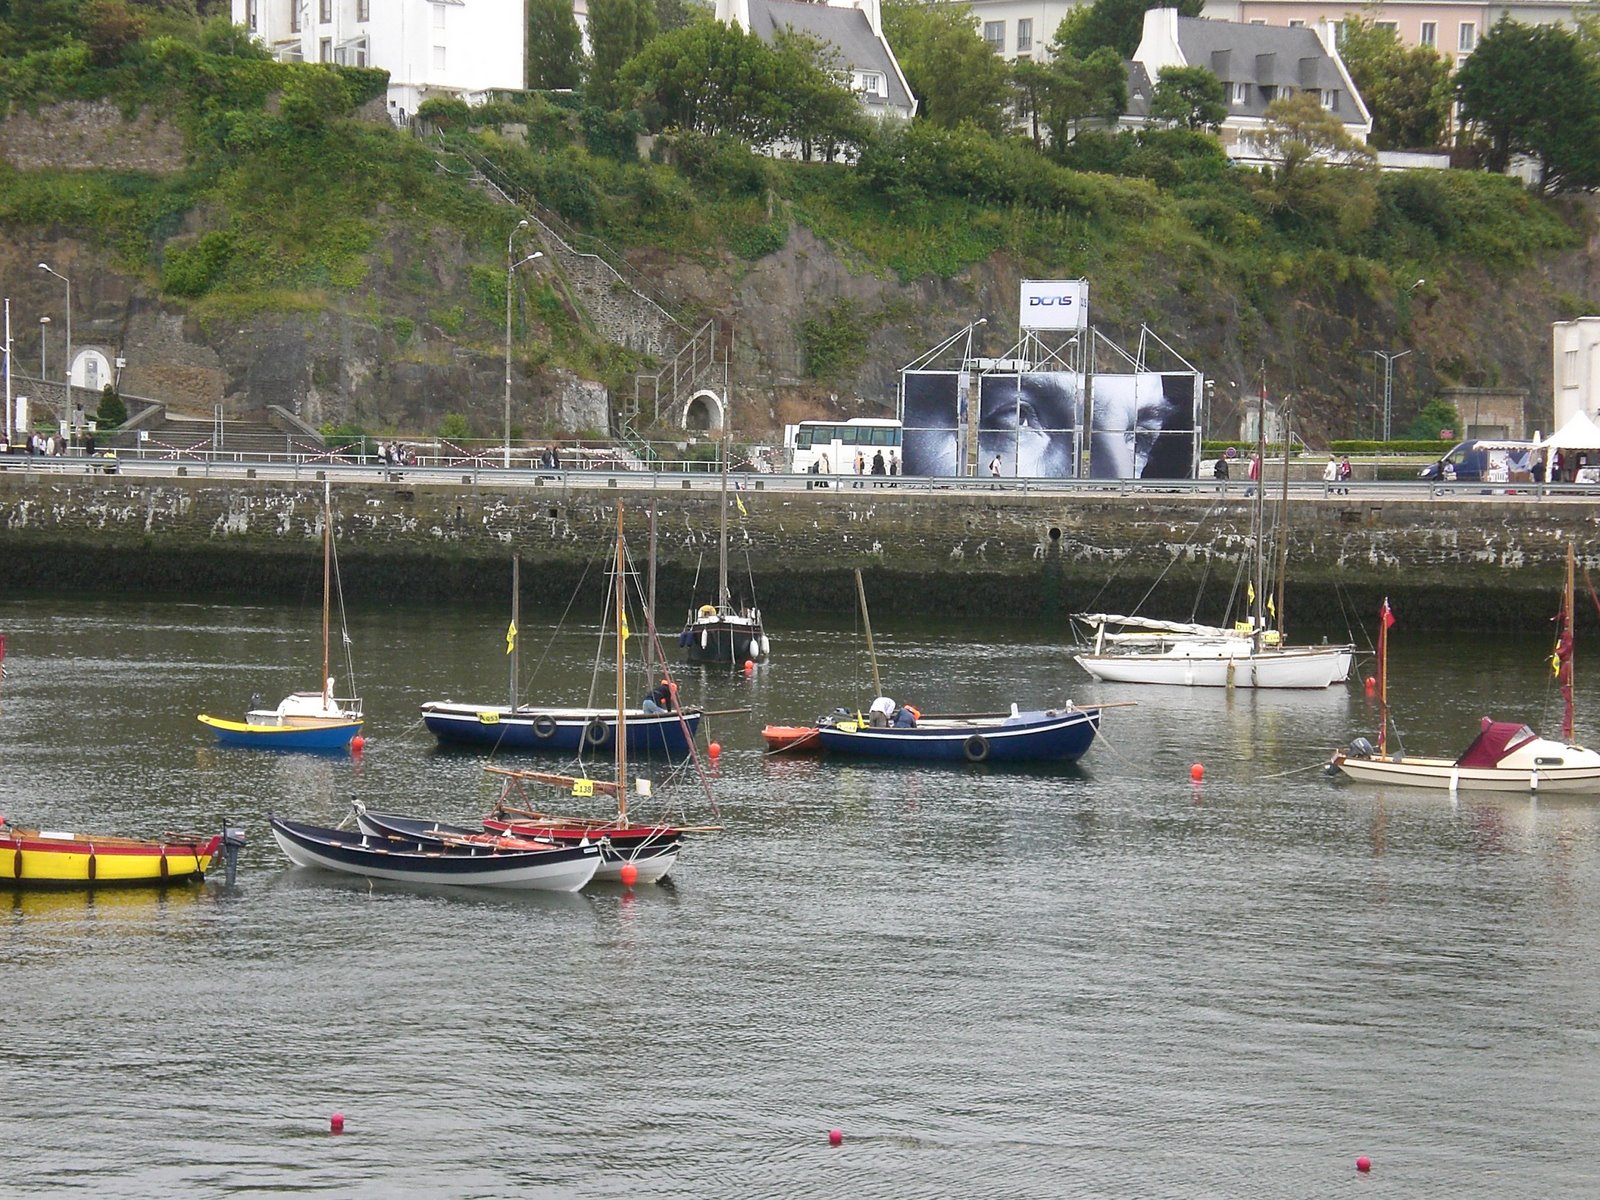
x=325, y=50
x=1429, y=35
x=994, y=34
x=363, y=10
x=868, y=82
x=1569, y=368
x=1258, y=20
x=438, y=16
x=325, y=11
x=1330, y=101
x=1241, y=93
x=294, y=18
x=1024, y=35
x=1297, y=24
x=1391, y=26
x=250, y=16
x=1469, y=37
x=438, y=58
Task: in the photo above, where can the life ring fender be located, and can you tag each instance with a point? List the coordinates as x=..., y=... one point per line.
x=596, y=731
x=976, y=748
x=708, y=610
x=544, y=726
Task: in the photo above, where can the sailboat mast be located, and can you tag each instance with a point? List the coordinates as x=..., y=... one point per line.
x=1385, y=618
x=722, y=532
x=650, y=601
x=1258, y=582
x=512, y=647
x=1283, y=533
x=1566, y=650
x=866, y=622
x=622, y=735
x=327, y=581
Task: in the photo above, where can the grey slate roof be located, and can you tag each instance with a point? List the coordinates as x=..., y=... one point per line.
x=1263, y=56
x=845, y=29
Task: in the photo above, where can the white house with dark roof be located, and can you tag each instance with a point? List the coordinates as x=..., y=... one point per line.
x=1257, y=64
x=429, y=47
x=852, y=28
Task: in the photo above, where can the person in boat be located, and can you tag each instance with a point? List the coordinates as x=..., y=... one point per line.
x=905, y=717
x=881, y=714
x=662, y=698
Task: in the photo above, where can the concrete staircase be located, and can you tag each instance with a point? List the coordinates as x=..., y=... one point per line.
x=158, y=433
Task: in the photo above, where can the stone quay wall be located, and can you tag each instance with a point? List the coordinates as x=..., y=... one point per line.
x=1480, y=562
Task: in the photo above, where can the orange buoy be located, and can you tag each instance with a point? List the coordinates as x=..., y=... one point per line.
x=1372, y=683
x=357, y=744
x=1197, y=772
x=629, y=874
x=714, y=749
x=835, y=1137
x=336, y=1123
x=749, y=666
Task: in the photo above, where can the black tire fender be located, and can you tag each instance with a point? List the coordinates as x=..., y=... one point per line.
x=596, y=732
x=544, y=726
x=976, y=748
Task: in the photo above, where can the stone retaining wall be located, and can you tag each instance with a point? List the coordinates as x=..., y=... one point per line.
x=1481, y=562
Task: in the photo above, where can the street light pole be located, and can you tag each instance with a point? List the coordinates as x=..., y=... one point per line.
x=43, y=374
x=510, y=267
x=1388, y=384
x=47, y=267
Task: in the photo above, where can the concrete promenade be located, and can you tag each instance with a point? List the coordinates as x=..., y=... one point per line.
x=1468, y=557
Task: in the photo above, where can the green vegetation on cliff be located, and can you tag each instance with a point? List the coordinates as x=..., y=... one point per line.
x=290, y=201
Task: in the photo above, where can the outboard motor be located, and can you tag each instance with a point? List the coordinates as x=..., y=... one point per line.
x=232, y=843
x=1361, y=748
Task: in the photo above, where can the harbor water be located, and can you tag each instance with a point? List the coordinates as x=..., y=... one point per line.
x=1102, y=980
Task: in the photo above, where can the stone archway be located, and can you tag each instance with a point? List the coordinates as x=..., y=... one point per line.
x=704, y=412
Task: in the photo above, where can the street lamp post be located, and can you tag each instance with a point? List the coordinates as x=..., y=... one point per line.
x=47, y=267
x=43, y=323
x=511, y=266
x=1388, y=384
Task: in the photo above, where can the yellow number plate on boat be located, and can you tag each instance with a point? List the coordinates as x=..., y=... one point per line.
x=583, y=787
x=489, y=718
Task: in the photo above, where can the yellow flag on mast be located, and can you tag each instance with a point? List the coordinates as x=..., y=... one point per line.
x=511, y=637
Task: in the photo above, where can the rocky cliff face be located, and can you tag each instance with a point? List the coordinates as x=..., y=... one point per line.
x=379, y=357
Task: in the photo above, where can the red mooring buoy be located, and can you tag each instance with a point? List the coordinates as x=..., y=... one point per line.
x=358, y=744
x=1197, y=772
x=835, y=1137
x=714, y=749
x=629, y=874
x=336, y=1123
x=1363, y=1164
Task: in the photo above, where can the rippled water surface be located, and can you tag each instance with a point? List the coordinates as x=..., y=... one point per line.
x=1095, y=981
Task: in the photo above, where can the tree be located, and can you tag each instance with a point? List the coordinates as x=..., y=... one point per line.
x=952, y=72
x=453, y=427
x=1117, y=24
x=555, y=45
x=110, y=28
x=618, y=29
x=1436, y=416
x=1190, y=98
x=1534, y=90
x=1077, y=89
x=824, y=115
x=112, y=413
x=1407, y=91
x=1322, y=179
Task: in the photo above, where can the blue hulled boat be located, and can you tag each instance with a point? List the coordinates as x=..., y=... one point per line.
x=563, y=730
x=1044, y=735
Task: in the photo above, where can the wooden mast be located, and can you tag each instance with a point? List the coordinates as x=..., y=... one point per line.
x=622, y=733
x=1385, y=619
x=1283, y=534
x=512, y=648
x=327, y=584
x=1258, y=582
x=866, y=622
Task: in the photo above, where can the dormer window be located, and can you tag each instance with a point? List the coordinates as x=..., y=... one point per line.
x=868, y=82
x=1241, y=93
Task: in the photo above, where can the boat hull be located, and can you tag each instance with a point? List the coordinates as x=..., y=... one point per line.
x=1057, y=736
x=333, y=736
x=559, y=869
x=794, y=739
x=46, y=858
x=1311, y=667
x=727, y=641
x=1443, y=773
x=558, y=730
x=651, y=849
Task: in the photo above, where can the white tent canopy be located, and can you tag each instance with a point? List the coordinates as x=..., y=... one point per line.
x=1579, y=433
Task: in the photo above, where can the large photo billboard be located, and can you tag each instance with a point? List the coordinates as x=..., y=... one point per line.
x=1054, y=304
x=1144, y=425
x=931, y=442
x=1030, y=424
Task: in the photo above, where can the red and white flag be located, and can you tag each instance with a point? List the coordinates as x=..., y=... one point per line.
x=1387, y=614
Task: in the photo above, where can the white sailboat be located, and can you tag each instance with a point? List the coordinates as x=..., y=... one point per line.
x=1252, y=654
x=719, y=632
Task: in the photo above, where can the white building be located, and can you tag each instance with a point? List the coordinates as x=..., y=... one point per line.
x=1021, y=29
x=1577, y=368
x=429, y=47
x=853, y=29
x=1257, y=64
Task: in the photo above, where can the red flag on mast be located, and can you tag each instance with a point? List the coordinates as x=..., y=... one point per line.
x=1387, y=614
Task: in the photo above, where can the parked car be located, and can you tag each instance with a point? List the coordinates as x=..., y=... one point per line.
x=1482, y=460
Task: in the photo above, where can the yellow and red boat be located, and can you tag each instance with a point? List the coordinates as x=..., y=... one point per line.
x=54, y=858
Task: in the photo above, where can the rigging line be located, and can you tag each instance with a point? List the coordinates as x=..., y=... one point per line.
x=1173, y=561
x=588, y=565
